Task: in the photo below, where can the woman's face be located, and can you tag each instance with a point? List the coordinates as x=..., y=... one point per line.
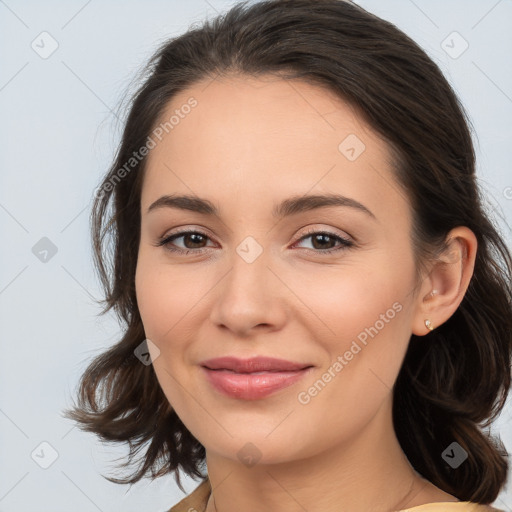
x=274, y=272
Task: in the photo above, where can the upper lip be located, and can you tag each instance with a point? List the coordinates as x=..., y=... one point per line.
x=253, y=364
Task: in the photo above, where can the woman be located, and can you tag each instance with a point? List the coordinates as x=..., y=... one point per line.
x=301, y=252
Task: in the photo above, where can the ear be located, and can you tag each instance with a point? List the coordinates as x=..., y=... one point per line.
x=444, y=288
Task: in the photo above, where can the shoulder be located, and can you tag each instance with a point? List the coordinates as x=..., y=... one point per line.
x=461, y=506
x=196, y=500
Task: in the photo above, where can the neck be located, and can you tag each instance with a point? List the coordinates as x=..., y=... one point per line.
x=369, y=471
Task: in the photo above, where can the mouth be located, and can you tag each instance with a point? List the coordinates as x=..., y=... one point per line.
x=252, y=379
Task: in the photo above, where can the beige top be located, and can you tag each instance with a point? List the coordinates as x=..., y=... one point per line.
x=196, y=502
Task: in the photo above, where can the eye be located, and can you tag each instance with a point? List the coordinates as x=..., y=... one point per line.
x=322, y=241
x=193, y=241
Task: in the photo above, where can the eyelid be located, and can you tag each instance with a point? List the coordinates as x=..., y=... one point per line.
x=327, y=231
x=184, y=230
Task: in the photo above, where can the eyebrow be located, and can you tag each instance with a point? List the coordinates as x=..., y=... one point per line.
x=288, y=207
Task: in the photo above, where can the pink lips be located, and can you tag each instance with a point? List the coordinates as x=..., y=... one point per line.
x=251, y=379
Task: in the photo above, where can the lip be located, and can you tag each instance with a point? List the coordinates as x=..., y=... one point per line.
x=254, y=378
x=253, y=364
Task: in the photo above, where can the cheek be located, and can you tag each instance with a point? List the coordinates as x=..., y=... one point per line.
x=163, y=302
x=362, y=322
x=152, y=301
x=166, y=298
x=362, y=357
x=345, y=302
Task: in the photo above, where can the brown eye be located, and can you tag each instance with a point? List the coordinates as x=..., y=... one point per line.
x=321, y=241
x=325, y=242
x=193, y=241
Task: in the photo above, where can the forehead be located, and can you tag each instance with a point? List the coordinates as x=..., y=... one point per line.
x=248, y=136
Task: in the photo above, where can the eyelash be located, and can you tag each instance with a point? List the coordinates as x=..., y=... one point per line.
x=165, y=241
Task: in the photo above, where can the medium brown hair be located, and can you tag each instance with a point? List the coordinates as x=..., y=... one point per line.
x=453, y=383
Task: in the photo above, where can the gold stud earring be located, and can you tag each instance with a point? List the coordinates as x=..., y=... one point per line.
x=428, y=325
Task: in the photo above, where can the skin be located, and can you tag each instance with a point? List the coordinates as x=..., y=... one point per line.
x=249, y=144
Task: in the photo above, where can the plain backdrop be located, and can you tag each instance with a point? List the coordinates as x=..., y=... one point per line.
x=64, y=69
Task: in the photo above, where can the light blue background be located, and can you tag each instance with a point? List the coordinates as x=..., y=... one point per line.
x=58, y=137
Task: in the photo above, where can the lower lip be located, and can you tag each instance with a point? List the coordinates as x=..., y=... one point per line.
x=252, y=386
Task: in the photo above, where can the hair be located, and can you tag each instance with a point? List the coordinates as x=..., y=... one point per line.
x=453, y=383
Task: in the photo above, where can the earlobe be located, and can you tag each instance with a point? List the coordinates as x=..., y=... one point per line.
x=447, y=281
x=428, y=323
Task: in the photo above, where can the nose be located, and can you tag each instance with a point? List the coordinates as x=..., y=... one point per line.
x=249, y=298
